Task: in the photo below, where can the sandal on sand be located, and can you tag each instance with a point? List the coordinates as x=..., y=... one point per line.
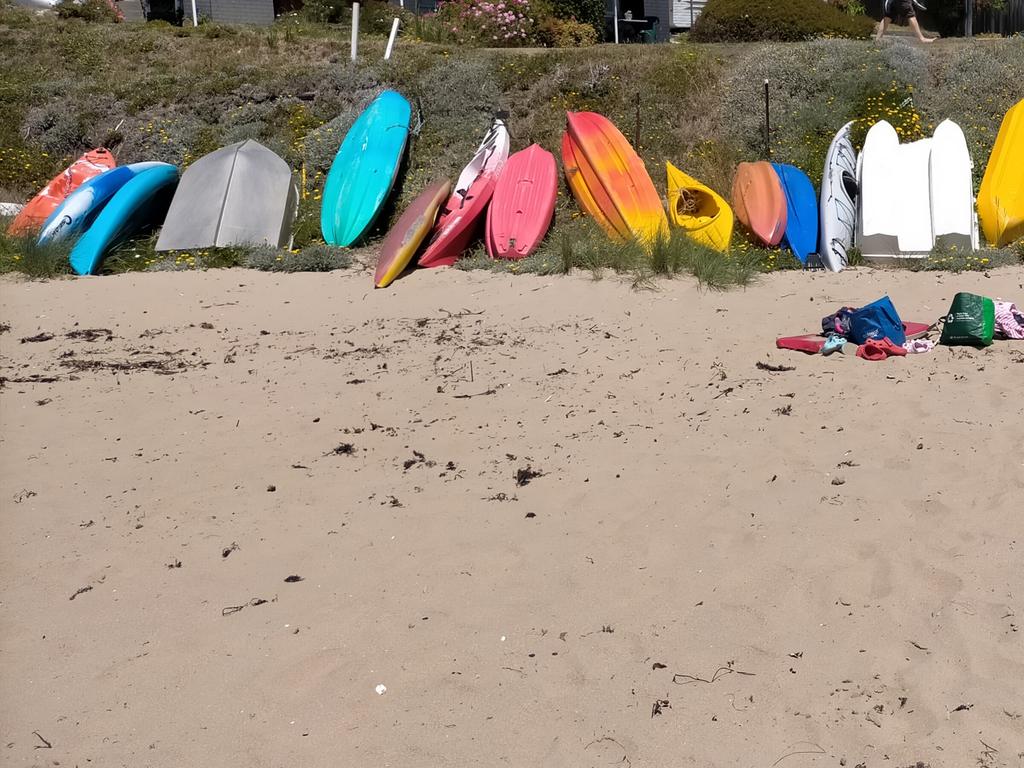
x=833, y=343
x=879, y=349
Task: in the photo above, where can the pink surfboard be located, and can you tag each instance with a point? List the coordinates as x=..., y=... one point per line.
x=523, y=203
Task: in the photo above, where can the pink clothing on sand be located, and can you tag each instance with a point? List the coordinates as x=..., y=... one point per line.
x=919, y=346
x=1009, y=321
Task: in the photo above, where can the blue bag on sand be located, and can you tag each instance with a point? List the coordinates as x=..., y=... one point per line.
x=877, y=320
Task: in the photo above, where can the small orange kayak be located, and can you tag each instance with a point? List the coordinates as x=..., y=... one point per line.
x=760, y=202
x=39, y=208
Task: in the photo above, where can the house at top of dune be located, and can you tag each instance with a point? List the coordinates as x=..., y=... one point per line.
x=260, y=12
x=649, y=21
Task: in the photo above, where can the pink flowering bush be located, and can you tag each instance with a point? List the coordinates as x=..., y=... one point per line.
x=487, y=23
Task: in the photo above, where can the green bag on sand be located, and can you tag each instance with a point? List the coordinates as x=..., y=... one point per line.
x=971, y=320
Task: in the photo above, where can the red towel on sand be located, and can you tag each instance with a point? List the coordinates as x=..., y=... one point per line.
x=879, y=349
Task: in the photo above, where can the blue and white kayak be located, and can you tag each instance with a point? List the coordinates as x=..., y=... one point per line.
x=81, y=207
x=139, y=205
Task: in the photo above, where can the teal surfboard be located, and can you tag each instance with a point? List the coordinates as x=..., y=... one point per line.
x=364, y=170
x=139, y=205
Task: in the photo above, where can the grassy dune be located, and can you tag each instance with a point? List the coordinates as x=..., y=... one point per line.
x=154, y=92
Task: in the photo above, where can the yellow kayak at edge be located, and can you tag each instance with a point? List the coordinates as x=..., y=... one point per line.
x=1001, y=196
x=709, y=220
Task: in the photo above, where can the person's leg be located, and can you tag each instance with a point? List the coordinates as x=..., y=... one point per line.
x=917, y=30
x=881, y=27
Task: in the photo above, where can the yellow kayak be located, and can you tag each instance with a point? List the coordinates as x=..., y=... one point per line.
x=699, y=210
x=1001, y=197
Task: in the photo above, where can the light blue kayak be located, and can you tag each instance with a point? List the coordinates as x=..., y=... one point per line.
x=801, y=211
x=364, y=170
x=81, y=207
x=139, y=205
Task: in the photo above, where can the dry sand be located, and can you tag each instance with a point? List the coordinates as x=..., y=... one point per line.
x=716, y=565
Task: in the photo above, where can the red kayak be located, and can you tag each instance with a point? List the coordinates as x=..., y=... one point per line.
x=463, y=214
x=39, y=208
x=523, y=203
x=760, y=202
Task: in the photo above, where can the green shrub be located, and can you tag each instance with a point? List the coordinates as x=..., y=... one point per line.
x=973, y=85
x=785, y=20
x=589, y=12
x=849, y=7
x=325, y=11
x=89, y=10
x=312, y=258
x=815, y=88
x=216, y=31
x=57, y=131
x=374, y=16
x=565, y=33
x=21, y=254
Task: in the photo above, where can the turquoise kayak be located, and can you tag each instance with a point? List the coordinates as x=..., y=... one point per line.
x=364, y=170
x=139, y=205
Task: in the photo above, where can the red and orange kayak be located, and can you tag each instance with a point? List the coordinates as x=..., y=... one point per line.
x=523, y=203
x=609, y=180
x=760, y=202
x=39, y=208
x=462, y=217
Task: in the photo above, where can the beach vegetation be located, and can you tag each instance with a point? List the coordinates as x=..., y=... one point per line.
x=22, y=255
x=87, y=10
x=582, y=246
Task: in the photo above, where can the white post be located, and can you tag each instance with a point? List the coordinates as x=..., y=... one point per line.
x=391, y=39
x=195, y=15
x=355, y=29
x=615, y=20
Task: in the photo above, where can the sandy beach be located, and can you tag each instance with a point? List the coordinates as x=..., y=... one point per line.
x=561, y=521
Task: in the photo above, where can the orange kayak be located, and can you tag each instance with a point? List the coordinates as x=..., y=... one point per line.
x=39, y=208
x=609, y=180
x=760, y=202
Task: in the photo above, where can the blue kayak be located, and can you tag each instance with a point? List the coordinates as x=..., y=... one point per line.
x=139, y=205
x=81, y=207
x=801, y=211
x=364, y=170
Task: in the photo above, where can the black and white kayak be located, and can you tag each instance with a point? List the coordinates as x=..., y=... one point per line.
x=838, y=201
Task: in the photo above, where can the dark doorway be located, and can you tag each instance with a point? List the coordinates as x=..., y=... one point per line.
x=163, y=10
